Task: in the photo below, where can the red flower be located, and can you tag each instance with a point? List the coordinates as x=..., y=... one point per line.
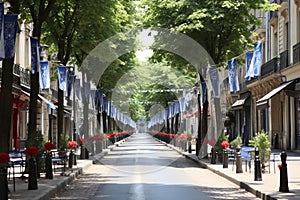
x=82, y=141
x=72, y=144
x=49, y=146
x=205, y=141
x=4, y=158
x=279, y=166
x=31, y=151
x=211, y=142
x=225, y=144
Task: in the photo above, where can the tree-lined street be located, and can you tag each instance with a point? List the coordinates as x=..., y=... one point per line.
x=142, y=168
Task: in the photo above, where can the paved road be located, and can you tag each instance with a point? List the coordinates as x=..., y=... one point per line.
x=142, y=168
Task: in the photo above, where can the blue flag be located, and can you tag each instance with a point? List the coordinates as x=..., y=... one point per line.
x=249, y=56
x=87, y=91
x=214, y=80
x=182, y=104
x=44, y=75
x=2, y=54
x=256, y=61
x=70, y=82
x=62, y=77
x=233, y=78
x=204, y=92
x=99, y=100
x=77, y=88
x=10, y=28
x=35, y=55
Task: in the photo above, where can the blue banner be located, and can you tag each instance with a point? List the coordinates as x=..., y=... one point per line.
x=44, y=75
x=256, y=61
x=93, y=97
x=182, y=104
x=87, y=88
x=99, y=100
x=62, y=77
x=35, y=56
x=2, y=54
x=249, y=56
x=10, y=33
x=70, y=82
x=204, y=92
x=77, y=88
x=258, y=58
x=233, y=77
x=214, y=80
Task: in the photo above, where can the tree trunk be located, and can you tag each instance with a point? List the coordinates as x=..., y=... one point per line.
x=6, y=102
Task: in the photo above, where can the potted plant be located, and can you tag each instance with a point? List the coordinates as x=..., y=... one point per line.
x=237, y=142
x=72, y=145
x=261, y=141
x=48, y=146
x=218, y=146
x=4, y=160
x=31, y=152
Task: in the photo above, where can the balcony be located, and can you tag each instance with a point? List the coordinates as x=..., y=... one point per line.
x=296, y=53
x=273, y=17
x=269, y=67
x=281, y=1
x=284, y=59
x=25, y=77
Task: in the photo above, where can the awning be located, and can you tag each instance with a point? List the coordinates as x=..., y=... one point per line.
x=263, y=102
x=238, y=104
x=49, y=103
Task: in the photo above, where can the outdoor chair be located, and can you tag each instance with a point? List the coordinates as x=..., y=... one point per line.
x=16, y=165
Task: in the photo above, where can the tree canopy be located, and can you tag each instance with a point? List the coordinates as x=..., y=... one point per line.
x=221, y=27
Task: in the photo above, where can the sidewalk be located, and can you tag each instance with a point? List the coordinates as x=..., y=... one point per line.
x=268, y=188
x=47, y=188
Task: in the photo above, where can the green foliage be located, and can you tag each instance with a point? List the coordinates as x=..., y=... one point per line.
x=218, y=145
x=261, y=141
x=64, y=142
x=221, y=27
x=36, y=139
x=237, y=142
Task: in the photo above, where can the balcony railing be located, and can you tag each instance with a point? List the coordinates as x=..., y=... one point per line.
x=20, y=76
x=281, y=1
x=25, y=77
x=273, y=14
x=269, y=67
x=296, y=53
x=284, y=59
x=54, y=93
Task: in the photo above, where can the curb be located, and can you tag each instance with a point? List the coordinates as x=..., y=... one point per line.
x=99, y=156
x=241, y=184
x=62, y=184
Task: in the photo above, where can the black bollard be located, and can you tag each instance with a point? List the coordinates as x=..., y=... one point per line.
x=225, y=158
x=257, y=166
x=284, y=186
x=239, y=167
x=213, y=156
x=190, y=147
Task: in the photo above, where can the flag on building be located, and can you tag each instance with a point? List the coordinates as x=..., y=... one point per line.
x=35, y=55
x=2, y=54
x=44, y=75
x=9, y=28
x=62, y=77
x=77, y=88
x=87, y=91
x=233, y=76
x=70, y=81
x=256, y=61
x=204, y=92
x=249, y=56
x=214, y=81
